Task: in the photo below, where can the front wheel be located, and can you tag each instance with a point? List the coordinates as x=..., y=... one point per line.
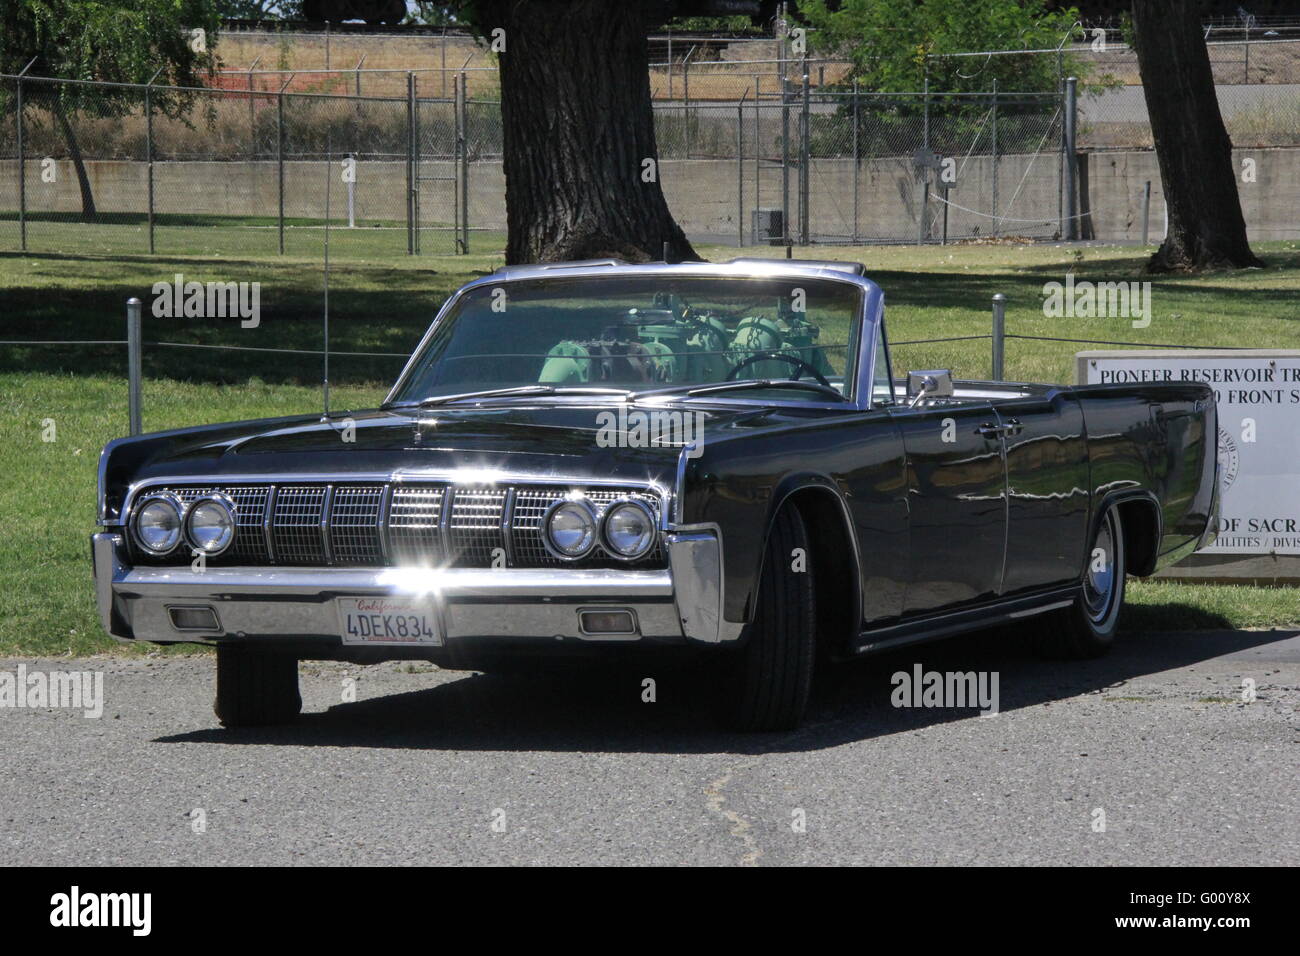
x=1087, y=627
x=768, y=680
x=255, y=687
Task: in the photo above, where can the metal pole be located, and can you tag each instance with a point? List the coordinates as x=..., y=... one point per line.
x=22, y=172
x=999, y=330
x=133, y=363
x=686, y=102
x=252, y=118
x=805, y=158
x=1146, y=211
x=785, y=160
x=279, y=158
x=856, y=160
x=463, y=145
x=1071, y=169
x=352, y=193
x=996, y=228
x=148, y=148
x=740, y=171
x=410, y=159
x=758, y=143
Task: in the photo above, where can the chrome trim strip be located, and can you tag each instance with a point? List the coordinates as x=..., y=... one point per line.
x=507, y=533
x=325, y=506
x=510, y=584
x=385, y=506
x=268, y=522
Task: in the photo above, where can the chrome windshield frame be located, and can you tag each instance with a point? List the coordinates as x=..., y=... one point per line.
x=869, y=318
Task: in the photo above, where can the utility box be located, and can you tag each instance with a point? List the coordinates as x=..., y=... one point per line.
x=768, y=225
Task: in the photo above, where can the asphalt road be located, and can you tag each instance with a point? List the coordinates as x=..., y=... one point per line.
x=443, y=767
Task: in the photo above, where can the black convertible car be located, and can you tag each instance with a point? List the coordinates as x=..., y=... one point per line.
x=701, y=456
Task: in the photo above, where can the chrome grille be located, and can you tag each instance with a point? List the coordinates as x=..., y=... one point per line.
x=296, y=525
x=474, y=531
x=415, y=525
x=422, y=524
x=354, y=525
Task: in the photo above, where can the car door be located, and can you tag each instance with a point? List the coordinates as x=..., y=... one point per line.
x=1047, y=489
x=956, y=505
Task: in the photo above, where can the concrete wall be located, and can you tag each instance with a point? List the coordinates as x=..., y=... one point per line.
x=701, y=193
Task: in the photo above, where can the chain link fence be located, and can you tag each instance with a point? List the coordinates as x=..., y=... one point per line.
x=761, y=152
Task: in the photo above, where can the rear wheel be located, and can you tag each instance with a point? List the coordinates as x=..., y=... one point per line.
x=255, y=687
x=1087, y=627
x=770, y=677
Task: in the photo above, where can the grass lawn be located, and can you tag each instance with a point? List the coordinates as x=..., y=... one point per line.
x=383, y=304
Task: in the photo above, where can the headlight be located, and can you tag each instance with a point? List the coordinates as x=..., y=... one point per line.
x=628, y=530
x=210, y=524
x=157, y=523
x=570, y=529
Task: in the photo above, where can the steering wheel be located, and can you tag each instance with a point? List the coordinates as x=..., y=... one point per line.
x=799, y=364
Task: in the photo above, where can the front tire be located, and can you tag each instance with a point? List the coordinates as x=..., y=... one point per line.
x=769, y=679
x=255, y=687
x=1087, y=627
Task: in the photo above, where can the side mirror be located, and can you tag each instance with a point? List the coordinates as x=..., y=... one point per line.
x=927, y=385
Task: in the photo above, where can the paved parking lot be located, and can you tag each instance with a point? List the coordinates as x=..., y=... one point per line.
x=443, y=767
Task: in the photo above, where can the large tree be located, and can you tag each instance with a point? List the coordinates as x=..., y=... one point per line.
x=1206, y=228
x=581, y=163
x=119, y=41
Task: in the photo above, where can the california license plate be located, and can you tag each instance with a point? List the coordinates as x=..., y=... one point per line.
x=388, y=620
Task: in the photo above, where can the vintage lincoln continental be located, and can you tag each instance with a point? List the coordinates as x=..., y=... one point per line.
x=704, y=457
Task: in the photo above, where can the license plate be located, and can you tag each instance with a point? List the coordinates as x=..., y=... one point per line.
x=388, y=620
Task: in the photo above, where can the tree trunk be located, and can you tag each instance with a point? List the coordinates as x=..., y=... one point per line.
x=581, y=164
x=1206, y=228
x=88, y=213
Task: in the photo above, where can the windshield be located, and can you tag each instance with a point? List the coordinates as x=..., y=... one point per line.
x=643, y=333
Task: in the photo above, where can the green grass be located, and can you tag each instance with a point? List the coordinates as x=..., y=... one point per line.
x=384, y=303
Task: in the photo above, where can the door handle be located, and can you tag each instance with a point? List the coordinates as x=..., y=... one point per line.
x=989, y=430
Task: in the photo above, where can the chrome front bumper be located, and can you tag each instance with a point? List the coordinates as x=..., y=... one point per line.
x=682, y=604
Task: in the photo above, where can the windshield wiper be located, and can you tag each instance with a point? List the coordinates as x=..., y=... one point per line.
x=517, y=390
x=690, y=391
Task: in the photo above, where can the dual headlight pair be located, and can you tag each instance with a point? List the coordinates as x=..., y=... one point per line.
x=161, y=520
x=626, y=530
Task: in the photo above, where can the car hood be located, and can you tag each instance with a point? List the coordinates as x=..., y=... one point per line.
x=566, y=440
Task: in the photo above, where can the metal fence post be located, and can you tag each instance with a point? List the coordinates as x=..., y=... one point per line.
x=740, y=171
x=994, y=134
x=857, y=158
x=279, y=163
x=148, y=150
x=1146, y=212
x=805, y=159
x=785, y=158
x=410, y=160
x=22, y=172
x=999, y=331
x=133, y=363
x=462, y=143
x=1071, y=223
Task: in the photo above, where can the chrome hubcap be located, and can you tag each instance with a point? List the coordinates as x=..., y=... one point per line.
x=1099, y=582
